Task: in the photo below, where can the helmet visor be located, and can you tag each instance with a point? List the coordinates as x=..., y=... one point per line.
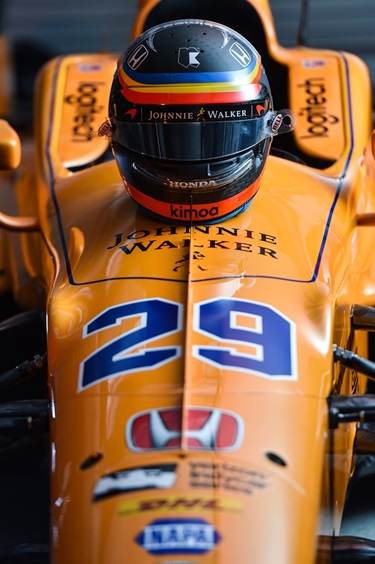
x=198, y=140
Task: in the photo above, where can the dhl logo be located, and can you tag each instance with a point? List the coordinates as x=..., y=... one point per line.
x=179, y=503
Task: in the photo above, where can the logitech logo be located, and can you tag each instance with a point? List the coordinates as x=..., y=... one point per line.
x=315, y=112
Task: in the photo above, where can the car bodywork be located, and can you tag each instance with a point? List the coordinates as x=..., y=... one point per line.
x=198, y=376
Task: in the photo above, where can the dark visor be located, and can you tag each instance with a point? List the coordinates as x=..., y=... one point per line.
x=197, y=133
x=189, y=141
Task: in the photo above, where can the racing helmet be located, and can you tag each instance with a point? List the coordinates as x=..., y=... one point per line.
x=191, y=121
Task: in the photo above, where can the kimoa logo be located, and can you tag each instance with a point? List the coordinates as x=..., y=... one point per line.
x=181, y=212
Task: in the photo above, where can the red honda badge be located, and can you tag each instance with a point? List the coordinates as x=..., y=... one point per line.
x=206, y=429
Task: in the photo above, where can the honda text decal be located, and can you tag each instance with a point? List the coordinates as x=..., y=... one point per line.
x=204, y=429
x=243, y=336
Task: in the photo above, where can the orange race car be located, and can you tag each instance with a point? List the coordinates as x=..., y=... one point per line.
x=202, y=363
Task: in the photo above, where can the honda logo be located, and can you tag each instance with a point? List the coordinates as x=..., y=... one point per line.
x=239, y=53
x=204, y=429
x=137, y=57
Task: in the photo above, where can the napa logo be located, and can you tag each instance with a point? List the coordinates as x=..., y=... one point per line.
x=182, y=536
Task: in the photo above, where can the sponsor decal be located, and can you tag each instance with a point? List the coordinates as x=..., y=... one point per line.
x=315, y=112
x=192, y=184
x=179, y=503
x=131, y=113
x=196, y=255
x=105, y=128
x=84, y=101
x=187, y=212
x=89, y=67
x=220, y=238
x=187, y=57
x=240, y=54
x=194, y=113
x=313, y=63
x=137, y=57
x=276, y=122
x=226, y=114
x=170, y=116
x=184, y=536
x=204, y=429
x=130, y=480
x=226, y=476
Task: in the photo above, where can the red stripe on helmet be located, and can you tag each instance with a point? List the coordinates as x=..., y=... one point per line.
x=195, y=212
x=247, y=92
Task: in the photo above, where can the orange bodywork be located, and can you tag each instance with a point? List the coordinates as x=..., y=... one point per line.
x=189, y=367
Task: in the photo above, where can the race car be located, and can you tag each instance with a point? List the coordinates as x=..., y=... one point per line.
x=204, y=386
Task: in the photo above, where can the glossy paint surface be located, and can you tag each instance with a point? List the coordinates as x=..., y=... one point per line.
x=190, y=366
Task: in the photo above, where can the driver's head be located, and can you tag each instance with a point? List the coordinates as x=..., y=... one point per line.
x=192, y=121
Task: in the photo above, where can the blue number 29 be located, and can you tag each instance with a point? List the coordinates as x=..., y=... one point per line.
x=267, y=338
x=157, y=318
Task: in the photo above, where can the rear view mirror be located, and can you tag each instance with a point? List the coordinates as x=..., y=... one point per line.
x=10, y=147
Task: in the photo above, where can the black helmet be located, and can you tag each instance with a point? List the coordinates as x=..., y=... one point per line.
x=192, y=119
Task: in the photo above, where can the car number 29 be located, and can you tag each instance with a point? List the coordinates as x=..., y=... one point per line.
x=266, y=337
x=244, y=336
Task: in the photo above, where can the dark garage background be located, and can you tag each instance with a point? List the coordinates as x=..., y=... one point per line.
x=39, y=29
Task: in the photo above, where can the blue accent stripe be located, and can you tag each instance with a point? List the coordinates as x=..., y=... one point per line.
x=343, y=175
x=322, y=245
x=188, y=77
